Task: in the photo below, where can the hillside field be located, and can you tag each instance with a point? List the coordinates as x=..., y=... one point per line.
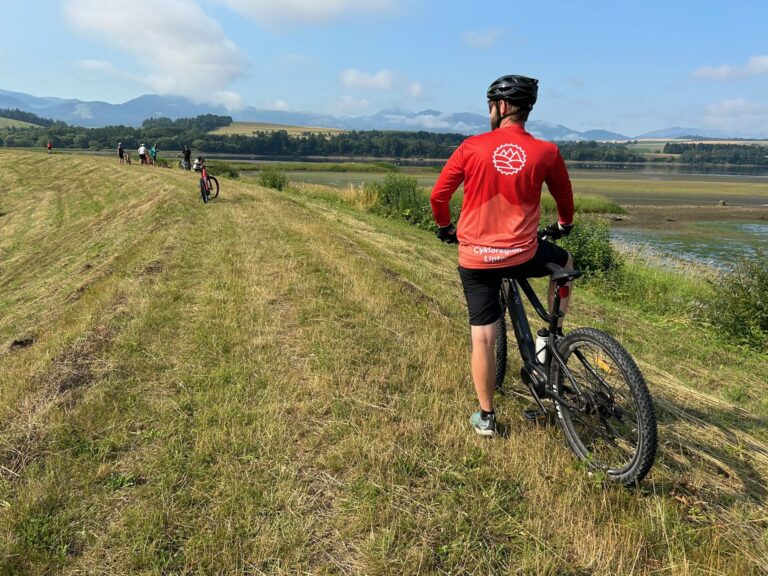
x=11, y=123
x=251, y=128
x=278, y=383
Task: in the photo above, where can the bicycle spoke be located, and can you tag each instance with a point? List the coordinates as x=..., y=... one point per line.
x=602, y=410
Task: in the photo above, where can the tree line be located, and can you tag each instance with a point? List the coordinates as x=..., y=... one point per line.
x=704, y=153
x=167, y=134
x=590, y=150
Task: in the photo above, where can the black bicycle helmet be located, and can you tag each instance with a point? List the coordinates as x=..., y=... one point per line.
x=518, y=90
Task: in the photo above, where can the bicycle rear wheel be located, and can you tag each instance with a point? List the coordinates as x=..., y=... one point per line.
x=213, y=187
x=604, y=408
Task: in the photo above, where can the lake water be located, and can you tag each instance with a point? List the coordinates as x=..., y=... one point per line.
x=713, y=243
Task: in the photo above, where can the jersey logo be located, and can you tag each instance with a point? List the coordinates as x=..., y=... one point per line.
x=509, y=159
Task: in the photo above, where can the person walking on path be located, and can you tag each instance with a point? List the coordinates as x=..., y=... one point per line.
x=503, y=172
x=153, y=154
x=120, y=153
x=49, y=146
x=142, y=154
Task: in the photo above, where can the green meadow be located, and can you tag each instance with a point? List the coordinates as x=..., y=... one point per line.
x=277, y=383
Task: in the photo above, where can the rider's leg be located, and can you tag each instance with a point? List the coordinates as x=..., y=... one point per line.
x=563, y=301
x=484, y=364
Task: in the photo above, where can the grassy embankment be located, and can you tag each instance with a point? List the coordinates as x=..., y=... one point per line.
x=277, y=383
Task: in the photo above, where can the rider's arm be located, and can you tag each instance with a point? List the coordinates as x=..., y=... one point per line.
x=449, y=180
x=559, y=184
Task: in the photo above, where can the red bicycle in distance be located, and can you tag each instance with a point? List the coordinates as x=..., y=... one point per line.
x=209, y=186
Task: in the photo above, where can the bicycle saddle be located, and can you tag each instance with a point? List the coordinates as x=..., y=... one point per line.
x=560, y=273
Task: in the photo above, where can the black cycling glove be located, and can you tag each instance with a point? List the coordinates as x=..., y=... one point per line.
x=447, y=234
x=557, y=230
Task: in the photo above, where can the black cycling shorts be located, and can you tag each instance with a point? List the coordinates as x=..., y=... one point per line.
x=482, y=285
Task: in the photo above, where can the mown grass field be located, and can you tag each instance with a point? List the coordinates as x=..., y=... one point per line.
x=11, y=123
x=250, y=128
x=277, y=383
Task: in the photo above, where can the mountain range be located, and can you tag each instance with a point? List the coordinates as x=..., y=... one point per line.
x=133, y=112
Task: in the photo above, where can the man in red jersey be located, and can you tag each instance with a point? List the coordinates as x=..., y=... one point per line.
x=503, y=171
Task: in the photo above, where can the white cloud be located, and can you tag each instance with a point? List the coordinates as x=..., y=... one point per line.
x=307, y=11
x=381, y=80
x=179, y=48
x=276, y=105
x=737, y=115
x=755, y=66
x=482, y=40
x=415, y=90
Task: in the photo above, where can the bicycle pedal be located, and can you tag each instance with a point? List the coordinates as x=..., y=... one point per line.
x=535, y=417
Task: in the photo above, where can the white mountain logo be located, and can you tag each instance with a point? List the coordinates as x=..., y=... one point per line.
x=509, y=159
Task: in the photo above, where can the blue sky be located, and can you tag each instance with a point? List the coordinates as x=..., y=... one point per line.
x=621, y=66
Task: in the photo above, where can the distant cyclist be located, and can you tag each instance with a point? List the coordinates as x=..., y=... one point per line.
x=186, y=155
x=503, y=172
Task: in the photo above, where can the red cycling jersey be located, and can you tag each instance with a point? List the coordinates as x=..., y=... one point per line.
x=503, y=172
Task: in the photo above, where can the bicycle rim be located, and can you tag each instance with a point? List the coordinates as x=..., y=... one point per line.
x=606, y=411
x=213, y=187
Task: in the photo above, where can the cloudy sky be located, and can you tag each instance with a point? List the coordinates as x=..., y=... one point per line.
x=627, y=67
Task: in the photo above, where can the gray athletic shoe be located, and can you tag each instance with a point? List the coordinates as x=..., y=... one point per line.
x=483, y=427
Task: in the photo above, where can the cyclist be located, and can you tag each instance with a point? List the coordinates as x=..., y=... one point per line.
x=503, y=171
x=186, y=155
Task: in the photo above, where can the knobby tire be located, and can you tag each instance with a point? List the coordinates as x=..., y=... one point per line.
x=607, y=414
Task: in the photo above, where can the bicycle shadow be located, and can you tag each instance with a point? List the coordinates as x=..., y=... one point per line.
x=238, y=199
x=708, y=451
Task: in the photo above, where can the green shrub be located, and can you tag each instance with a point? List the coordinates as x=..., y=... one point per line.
x=739, y=307
x=399, y=196
x=271, y=178
x=220, y=168
x=590, y=245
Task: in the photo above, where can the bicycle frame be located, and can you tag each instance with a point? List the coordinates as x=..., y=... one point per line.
x=534, y=373
x=204, y=177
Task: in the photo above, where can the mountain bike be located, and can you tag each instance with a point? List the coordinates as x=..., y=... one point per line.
x=209, y=186
x=600, y=397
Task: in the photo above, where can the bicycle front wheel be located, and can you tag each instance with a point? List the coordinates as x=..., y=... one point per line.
x=203, y=191
x=603, y=405
x=213, y=187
